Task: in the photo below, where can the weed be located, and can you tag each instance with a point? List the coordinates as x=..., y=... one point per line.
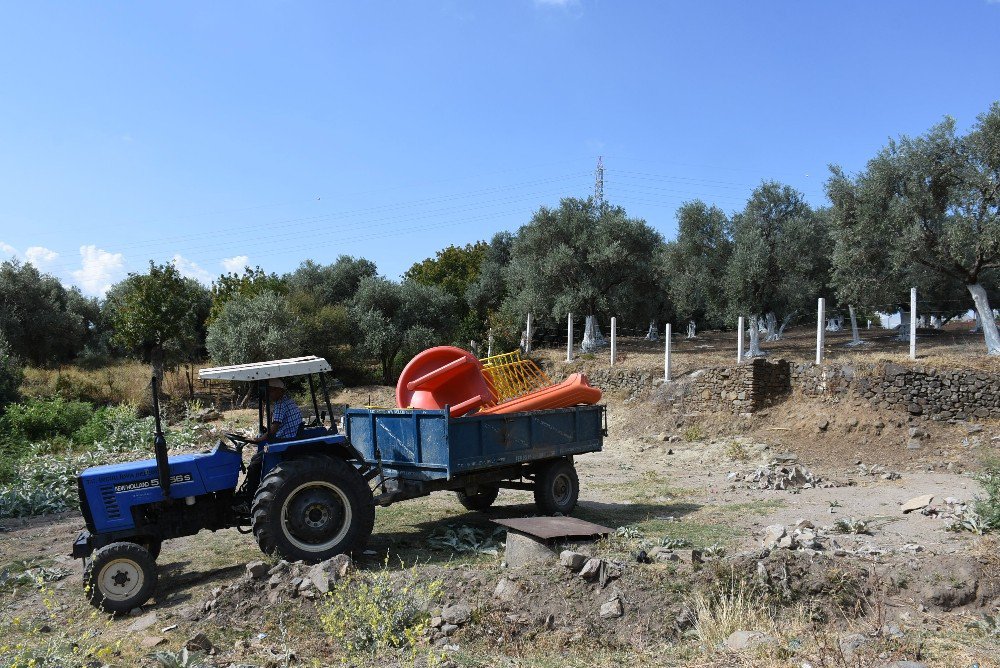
x=693, y=433
x=738, y=606
x=465, y=538
x=988, y=508
x=850, y=525
x=374, y=611
x=737, y=452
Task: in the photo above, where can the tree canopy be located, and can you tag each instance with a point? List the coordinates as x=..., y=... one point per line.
x=159, y=314
x=583, y=258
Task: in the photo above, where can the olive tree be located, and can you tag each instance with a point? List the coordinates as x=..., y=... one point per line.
x=941, y=202
x=696, y=260
x=43, y=322
x=253, y=328
x=779, y=261
x=399, y=317
x=583, y=258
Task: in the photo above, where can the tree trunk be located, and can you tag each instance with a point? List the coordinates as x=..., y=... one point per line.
x=156, y=361
x=904, y=326
x=692, y=330
x=774, y=332
x=754, y=349
x=855, y=335
x=771, y=322
x=986, y=319
x=189, y=374
x=592, y=337
x=975, y=328
x=652, y=334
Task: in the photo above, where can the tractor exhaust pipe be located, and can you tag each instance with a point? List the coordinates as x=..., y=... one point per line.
x=160, y=444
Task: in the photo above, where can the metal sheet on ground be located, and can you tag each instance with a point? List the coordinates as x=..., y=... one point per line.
x=554, y=527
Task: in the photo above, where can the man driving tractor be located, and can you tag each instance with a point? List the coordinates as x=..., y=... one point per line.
x=286, y=418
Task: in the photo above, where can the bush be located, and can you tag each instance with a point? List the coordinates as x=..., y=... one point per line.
x=11, y=374
x=375, y=611
x=988, y=508
x=38, y=419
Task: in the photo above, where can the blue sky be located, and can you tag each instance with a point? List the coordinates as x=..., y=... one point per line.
x=216, y=134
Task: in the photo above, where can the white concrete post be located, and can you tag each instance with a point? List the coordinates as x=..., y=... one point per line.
x=739, y=340
x=527, y=337
x=913, y=323
x=820, y=329
x=569, y=337
x=666, y=355
x=614, y=339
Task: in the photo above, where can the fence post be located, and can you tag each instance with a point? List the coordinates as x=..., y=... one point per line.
x=739, y=340
x=666, y=355
x=820, y=329
x=569, y=337
x=527, y=337
x=913, y=323
x=489, y=343
x=614, y=339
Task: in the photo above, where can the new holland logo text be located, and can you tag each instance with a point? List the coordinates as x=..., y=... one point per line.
x=152, y=482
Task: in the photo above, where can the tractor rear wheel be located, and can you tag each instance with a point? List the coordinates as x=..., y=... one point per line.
x=481, y=500
x=120, y=577
x=312, y=508
x=557, y=488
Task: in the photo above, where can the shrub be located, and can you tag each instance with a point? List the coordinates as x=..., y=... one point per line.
x=378, y=610
x=11, y=374
x=37, y=419
x=988, y=507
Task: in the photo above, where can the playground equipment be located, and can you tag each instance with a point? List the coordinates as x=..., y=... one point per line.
x=573, y=391
x=449, y=376
x=444, y=376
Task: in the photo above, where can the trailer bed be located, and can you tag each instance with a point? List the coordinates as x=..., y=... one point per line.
x=429, y=445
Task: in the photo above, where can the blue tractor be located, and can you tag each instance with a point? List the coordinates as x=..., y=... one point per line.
x=306, y=497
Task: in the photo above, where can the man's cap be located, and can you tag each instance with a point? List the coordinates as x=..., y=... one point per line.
x=276, y=382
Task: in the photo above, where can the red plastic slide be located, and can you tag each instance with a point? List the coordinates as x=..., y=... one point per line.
x=443, y=376
x=573, y=391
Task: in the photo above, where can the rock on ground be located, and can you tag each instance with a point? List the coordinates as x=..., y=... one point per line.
x=458, y=614
x=522, y=550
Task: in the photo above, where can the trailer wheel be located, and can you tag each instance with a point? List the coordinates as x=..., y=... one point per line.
x=120, y=577
x=557, y=488
x=312, y=509
x=481, y=500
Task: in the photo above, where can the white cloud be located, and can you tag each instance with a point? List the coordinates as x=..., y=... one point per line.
x=559, y=3
x=40, y=255
x=235, y=264
x=190, y=269
x=7, y=250
x=98, y=270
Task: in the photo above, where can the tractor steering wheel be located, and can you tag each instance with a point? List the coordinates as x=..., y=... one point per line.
x=238, y=440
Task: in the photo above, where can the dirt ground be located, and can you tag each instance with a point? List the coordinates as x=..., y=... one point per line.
x=905, y=588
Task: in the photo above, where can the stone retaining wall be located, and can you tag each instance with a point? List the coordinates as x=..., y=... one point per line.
x=939, y=394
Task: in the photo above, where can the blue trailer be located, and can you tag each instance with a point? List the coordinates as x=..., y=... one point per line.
x=313, y=495
x=421, y=451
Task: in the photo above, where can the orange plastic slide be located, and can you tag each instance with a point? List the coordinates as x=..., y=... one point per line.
x=573, y=391
x=443, y=376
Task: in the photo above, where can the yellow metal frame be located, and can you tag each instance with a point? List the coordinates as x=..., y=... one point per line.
x=509, y=376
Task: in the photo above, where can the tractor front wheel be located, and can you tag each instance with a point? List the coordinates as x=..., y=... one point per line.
x=312, y=509
x=120, y=577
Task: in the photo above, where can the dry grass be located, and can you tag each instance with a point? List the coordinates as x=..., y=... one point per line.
x=122, y=382
x=738, y=607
